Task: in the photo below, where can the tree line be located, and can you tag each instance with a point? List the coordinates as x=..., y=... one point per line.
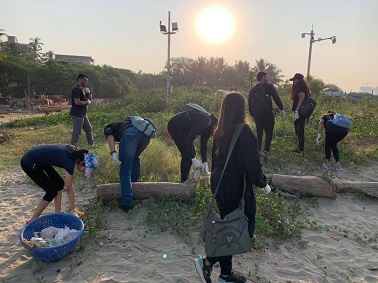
x=25, y=69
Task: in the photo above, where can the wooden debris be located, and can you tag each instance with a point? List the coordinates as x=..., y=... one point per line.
x=144, y=190
x=5, y=137
x=304, y=185
x=368, y=188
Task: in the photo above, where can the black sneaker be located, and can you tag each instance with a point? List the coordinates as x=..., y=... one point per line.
x=203, y=270
x=126, y=208
x=231, y=278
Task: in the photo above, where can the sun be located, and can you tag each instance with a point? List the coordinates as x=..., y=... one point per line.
x=215, y=24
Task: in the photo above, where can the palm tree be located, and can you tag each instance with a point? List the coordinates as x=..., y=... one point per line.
x=36, y=43
x=48, y=56
x=271, y=69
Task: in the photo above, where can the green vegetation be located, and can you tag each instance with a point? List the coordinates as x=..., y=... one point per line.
x=278, y=219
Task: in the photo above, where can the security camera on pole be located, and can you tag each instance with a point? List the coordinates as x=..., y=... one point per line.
x=312, y=40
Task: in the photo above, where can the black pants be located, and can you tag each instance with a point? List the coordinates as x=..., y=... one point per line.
x=225, y=263
x=186, y=157
x=45, y=177
x=264, y=123
x=299, y=126
x=334, y=134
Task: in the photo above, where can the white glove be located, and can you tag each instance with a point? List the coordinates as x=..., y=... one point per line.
x=296, y=116
x=267, y=189
x=86, y=90
x=283, y=114
x=89, y=102
x=115, y=158
x=196, y=162
x=318, y=139
x=205, y=168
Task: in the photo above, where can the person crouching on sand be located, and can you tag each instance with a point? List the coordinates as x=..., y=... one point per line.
x=38, y=164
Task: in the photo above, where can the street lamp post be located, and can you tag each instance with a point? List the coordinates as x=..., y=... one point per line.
x=163, y=29
x=312, y=40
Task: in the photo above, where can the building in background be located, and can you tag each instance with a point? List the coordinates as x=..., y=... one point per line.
x=88, y=60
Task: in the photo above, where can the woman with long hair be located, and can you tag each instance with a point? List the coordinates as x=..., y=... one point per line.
x=244, y=165
x=333, y=134
x=38, y=164
x=299, y=92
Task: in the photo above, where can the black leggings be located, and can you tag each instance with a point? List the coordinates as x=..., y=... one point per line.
x=264, y=123
x=334, y=134
x=45, y=177
x=186, y=157
x=299, y=126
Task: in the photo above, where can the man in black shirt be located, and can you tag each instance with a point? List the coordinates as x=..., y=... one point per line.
x=80, y=99
x=261, y=110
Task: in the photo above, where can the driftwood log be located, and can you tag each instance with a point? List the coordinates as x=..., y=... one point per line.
x=144, y=190
x=368, y=188
x=303, y=185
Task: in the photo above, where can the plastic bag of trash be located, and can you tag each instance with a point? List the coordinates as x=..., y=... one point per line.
x=49, y=232
x=65, y=235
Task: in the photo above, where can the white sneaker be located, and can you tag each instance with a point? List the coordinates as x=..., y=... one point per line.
x=326, y=165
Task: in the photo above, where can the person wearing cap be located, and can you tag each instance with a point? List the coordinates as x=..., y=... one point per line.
x=184, y=127
x=80, y=99
x=299, y=92
x=39, y=162
x=261, y=110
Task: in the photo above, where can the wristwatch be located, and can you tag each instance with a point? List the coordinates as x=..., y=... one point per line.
x=111, y=153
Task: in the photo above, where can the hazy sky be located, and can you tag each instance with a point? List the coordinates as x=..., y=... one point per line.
x=125, y=33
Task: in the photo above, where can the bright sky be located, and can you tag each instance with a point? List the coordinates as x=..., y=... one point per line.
x=125, y=33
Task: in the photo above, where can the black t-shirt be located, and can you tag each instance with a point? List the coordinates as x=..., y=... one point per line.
x=78, y=110
x=300, y=88
x=50, y=155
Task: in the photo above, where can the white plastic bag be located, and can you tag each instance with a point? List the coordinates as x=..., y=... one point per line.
x=65, y=235
x=49, y=232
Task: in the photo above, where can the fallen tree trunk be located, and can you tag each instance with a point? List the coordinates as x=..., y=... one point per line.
x=303, y=185
x=368, y=188
x=144, y=190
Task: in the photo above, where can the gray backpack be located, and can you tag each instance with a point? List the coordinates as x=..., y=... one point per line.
x=144, y=125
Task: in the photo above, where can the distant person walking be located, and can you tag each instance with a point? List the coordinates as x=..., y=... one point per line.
x=333, y=134
x=80, y=99
x=299, y=92
x=184, y=128
x=261, y=110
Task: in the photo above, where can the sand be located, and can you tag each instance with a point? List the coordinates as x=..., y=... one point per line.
x=126, y=251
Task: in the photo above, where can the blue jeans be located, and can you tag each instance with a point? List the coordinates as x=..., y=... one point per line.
x=132, y=144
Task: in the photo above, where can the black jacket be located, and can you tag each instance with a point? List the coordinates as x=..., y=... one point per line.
x=270, y=91
x=244, y=161
x=188, y=125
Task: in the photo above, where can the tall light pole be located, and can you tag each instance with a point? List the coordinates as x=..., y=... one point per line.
x=163, y=29
x=312, y=40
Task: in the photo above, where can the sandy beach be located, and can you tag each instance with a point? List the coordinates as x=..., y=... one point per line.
x=338, y=248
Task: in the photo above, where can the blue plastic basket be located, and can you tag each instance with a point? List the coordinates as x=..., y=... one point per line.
x=59, y=220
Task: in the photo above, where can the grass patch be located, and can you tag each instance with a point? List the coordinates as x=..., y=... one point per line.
x=278, y=219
